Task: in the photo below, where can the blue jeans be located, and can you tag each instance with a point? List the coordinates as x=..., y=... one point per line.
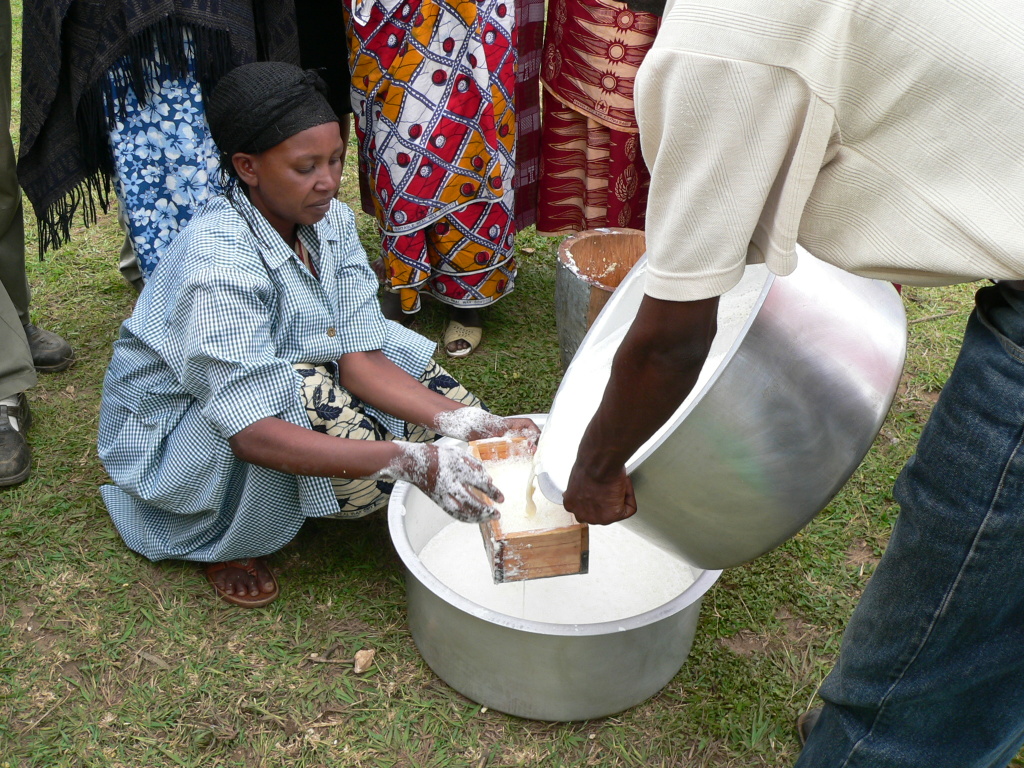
x=931, y=668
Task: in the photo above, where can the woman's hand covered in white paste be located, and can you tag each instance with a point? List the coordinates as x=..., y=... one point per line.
x=478, y=424
x=446, y=474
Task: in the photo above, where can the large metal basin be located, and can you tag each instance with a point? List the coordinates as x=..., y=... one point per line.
x=533, y=669
x=777, y=429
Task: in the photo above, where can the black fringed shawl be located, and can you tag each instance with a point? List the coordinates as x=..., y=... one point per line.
x=68, y=46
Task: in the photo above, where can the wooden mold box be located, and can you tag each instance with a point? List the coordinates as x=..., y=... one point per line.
x=531, y=554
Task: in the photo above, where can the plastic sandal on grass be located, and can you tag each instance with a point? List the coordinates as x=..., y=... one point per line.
x=456, y=331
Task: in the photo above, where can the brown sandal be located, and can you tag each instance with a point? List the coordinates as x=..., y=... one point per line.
x=249, y=566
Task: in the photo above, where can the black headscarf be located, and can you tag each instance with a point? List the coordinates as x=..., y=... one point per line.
x=257, y=106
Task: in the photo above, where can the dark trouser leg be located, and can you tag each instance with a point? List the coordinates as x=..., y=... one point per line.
x=17, y=372
x=931, y=670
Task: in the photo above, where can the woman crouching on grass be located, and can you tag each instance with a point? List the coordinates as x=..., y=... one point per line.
x=257, y=383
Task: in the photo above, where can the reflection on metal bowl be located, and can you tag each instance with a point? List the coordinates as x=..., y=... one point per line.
x=777, y=425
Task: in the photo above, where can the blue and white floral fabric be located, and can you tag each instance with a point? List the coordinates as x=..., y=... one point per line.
x=166, y=162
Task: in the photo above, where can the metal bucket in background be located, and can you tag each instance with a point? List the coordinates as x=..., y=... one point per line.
x=591, y=264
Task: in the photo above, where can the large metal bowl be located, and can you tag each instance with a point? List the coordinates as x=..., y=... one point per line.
x=780, y=425
x=533, y=669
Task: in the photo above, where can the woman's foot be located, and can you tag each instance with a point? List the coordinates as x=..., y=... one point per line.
x=247, y=583
x=463, y=333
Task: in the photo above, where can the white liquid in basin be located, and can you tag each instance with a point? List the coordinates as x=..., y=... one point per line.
x=628, y=576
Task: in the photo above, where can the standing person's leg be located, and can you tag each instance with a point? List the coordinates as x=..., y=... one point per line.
x=17, y=370
x=931, y=669
x=128, y=260
x=461, y=157
x=17, y=374
x=464, y=260
x=473, y=266
x=49, y=351
x=160, y=184
x=12, y=223
x=404, y=269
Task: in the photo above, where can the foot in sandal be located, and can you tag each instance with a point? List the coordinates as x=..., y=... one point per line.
x=246, y=583
x=463, y=333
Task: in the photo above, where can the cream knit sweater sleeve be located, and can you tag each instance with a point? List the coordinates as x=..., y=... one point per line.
x=885, y=136
x=734, y=148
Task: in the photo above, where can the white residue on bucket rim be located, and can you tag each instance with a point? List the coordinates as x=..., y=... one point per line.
x=569, y=262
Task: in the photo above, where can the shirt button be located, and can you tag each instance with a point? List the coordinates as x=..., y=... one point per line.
x=331, y=332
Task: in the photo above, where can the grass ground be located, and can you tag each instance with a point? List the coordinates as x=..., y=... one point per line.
x=109, y=660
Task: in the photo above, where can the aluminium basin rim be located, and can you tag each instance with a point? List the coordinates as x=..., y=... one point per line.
x=414, y=566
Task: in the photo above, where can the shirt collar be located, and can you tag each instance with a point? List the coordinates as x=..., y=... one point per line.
x=275, y=251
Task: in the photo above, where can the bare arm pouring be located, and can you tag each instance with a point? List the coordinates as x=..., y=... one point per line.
x=661, y=356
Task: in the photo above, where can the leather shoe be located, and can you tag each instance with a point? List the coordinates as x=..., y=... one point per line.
x=806, y=722
x=50, y=353
x=15, y=458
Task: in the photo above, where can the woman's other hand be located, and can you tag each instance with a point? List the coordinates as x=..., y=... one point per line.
x=477, y=424
x=520, y=426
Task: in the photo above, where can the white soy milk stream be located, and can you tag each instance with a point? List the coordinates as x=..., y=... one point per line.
x=525, y=508
x=628, y=576
x=583, y=386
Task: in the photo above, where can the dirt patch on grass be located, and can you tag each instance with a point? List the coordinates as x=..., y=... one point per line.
x=32, y=627
x=25, y=611
x=745, y=643
x=796, y=630
x=791, y=633
x=861, y=555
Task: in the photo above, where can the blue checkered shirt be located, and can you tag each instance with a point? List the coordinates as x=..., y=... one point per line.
x=209, y=351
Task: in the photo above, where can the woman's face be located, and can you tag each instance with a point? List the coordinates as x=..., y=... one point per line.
x=294, y=182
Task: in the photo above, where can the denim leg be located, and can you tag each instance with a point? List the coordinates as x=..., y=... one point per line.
x=931, y=667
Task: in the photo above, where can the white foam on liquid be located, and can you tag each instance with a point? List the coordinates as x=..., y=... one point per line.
x=582, y=388
x=628, y=576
